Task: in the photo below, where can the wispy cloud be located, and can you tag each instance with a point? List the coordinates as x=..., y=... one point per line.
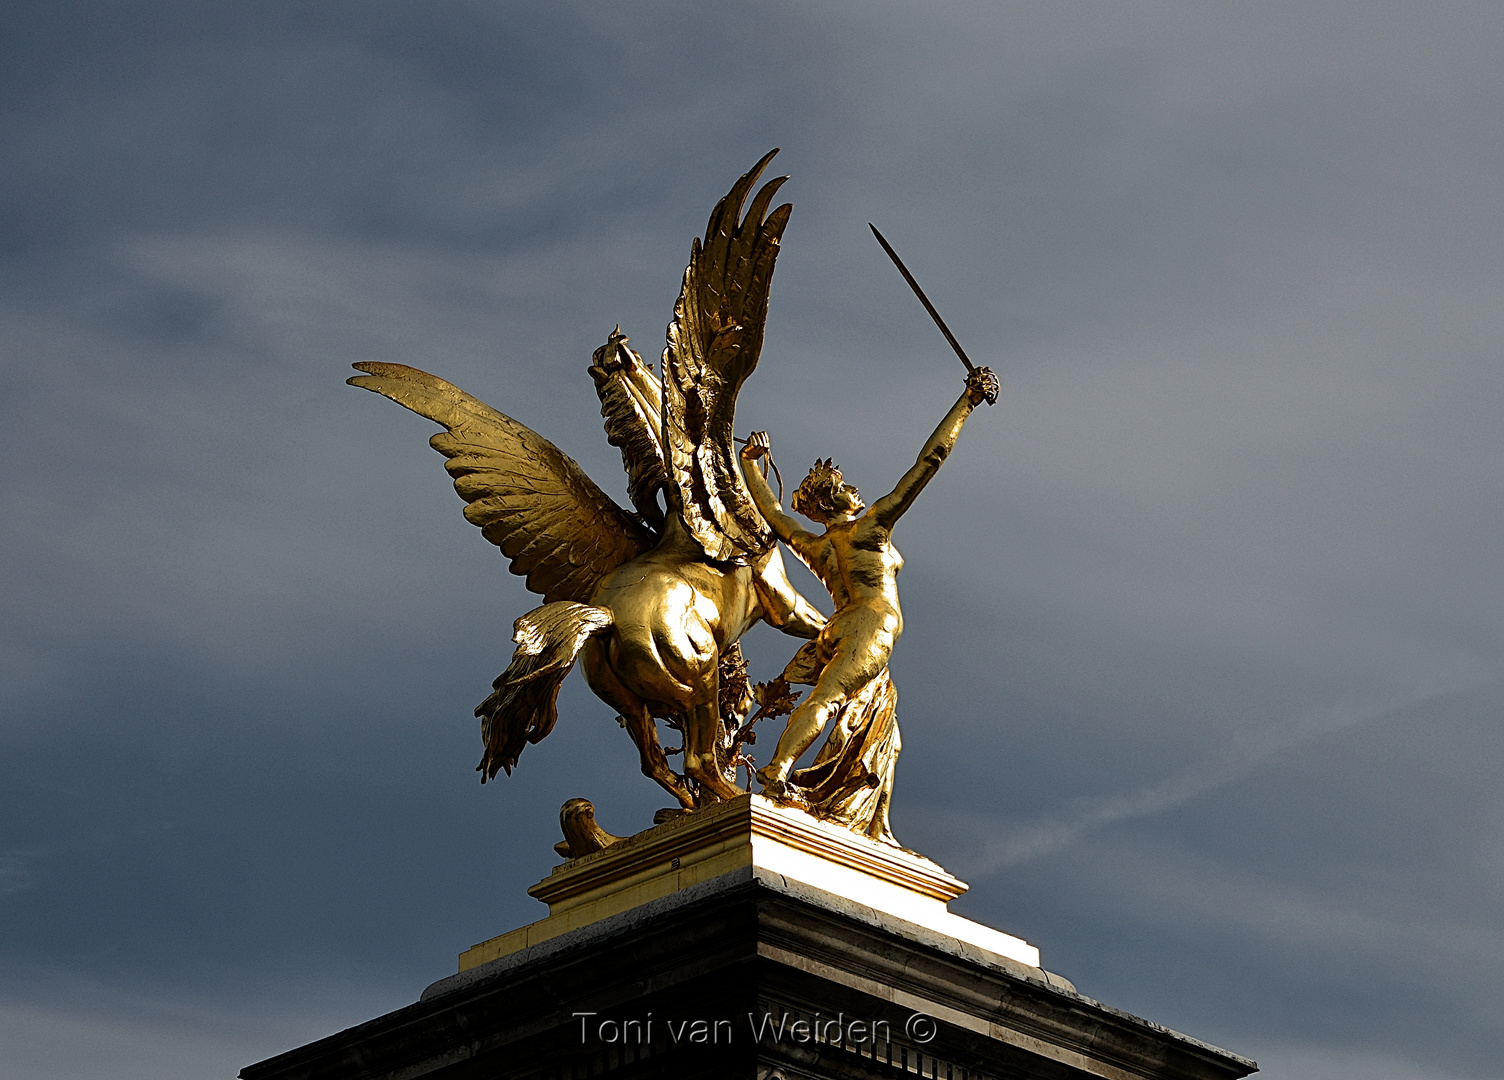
x=1236, y=759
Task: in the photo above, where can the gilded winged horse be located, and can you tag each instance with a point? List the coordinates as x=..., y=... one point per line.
x=650, y=601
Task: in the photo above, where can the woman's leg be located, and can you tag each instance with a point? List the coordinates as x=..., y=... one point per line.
x=861, y=651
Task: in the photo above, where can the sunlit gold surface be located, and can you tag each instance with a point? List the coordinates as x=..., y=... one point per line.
x=653, y=601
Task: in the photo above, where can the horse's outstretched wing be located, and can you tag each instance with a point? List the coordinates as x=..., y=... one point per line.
x=713, y=345
x=527, y=496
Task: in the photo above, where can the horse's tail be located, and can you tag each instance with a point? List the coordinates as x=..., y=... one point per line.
x=523, y=707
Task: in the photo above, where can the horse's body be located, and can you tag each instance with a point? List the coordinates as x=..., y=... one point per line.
x=673, y=613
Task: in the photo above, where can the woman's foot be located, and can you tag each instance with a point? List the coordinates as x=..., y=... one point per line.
x=780, y=790
x=774, y=784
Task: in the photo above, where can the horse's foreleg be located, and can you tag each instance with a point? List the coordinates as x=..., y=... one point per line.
x=784, y=606
x=644, y=731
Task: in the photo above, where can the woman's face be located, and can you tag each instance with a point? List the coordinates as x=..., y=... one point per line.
x=848, y=501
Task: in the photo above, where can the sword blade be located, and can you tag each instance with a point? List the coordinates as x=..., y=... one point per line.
x=925, y=300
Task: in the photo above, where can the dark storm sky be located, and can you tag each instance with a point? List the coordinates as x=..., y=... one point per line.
x=1200, y=684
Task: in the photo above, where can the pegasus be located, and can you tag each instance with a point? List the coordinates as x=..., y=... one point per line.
x=652, y=602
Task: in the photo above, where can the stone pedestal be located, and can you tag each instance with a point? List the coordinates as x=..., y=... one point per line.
x=752, y=941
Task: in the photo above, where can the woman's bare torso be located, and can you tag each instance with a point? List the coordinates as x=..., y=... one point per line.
x=857, y=562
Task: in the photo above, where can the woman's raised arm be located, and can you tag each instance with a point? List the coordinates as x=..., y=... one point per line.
x=783, y=526
x=981, y=385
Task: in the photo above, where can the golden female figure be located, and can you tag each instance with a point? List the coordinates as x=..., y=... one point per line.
x=856, y=560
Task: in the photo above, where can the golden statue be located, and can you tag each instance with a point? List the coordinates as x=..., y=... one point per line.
x=653, y=601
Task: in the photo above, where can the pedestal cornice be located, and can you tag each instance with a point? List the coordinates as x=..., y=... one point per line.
x=748, y=833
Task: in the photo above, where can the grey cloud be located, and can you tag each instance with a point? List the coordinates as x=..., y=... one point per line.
x=1186, y=603
x=998, y=847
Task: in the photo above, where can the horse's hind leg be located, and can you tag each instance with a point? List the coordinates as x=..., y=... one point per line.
x=701, y=762
x=636, y=719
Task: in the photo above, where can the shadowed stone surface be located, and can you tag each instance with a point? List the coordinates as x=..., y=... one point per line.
x=752, y=975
